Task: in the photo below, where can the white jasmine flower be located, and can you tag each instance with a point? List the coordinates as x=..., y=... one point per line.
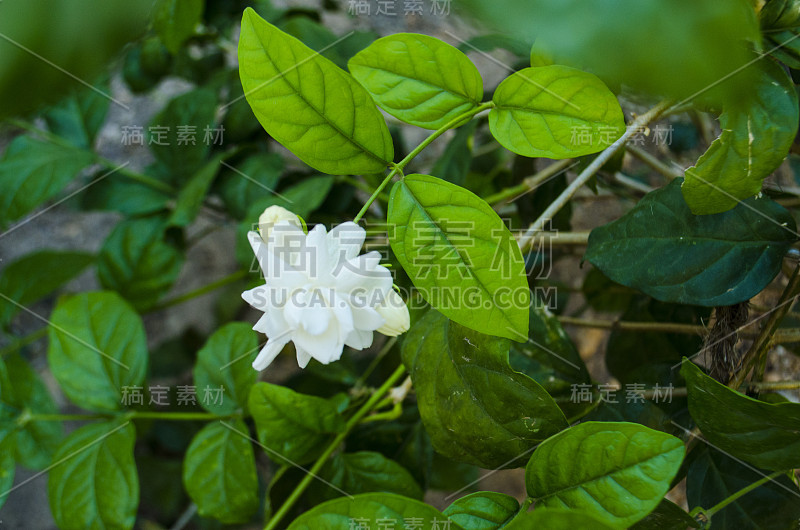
x=272, y=216
x=319, y=292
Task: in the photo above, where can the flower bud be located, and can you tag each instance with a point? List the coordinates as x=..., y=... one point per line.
x=394, y=311
x=274, y=215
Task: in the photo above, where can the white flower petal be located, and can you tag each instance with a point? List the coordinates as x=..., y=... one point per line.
x=362, y=274
x=359, y=339
x=395, y=313
x=302, y=356
x=325, y=347
x=345, y=241
x=268, y=353
x=366, y=318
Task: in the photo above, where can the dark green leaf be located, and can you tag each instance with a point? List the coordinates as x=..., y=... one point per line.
x=33, y=171
x=7, y=440
x=370, y=508
x=663, y=250
x=666, y=516
x=460, y=255
x=484, y=510
x=364, y=472
x=315, y=36
x=756, y=137
x=97, y=346
x=79, y=116
x=292, y=425
x=249, y=182
x=418, y=79
x=302, y=198
x=616, y=472
x=453, y=165
x=557, y=519
x=175, y=21
x=225, y=361
x=555, y=112
x=491, y=42
x=177, y=133
x=136, y=262
x=763, y=434
x=116, y=193
x=476, y=409
x=219, y=472
x=37, y=440
x=191, y=197
x=310, y=105
x=96, y=485
x=714, y=477
x=780, y=14
x=36, y=275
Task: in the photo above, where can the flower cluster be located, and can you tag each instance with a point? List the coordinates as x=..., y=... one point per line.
x=319, y=293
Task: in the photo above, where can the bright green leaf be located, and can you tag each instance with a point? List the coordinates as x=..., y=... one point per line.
x=393, y=509
x=364, y=472
x=33, y=171
x=763, y=434
x=663, y=250
x=96, y=485
x=292, y=425
x=225, y=361
x=418, y=79
x=175, y=21
x=136, y=262
x=483, y=510
x=308, y=104
x=756, y=137
x=219, y=472
x=36, y=275
x=476, y=409
x=555, y=112
x=616, y=472
x=460, y=255
x=97, y=346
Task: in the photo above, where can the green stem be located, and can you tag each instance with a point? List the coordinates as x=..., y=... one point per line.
x=231, y=278
x=398, y=168
x=375, y=362
x=744, y=491
x=528, y=183
x=365, y=409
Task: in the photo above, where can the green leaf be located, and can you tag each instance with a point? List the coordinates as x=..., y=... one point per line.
x=225, y=361
x=616, y=472
x=36, y=275
x=666, y=516
x=460, y=255
x=763, y=434
x=33, y=171
x=219, y=472
x=389, y=509
x=250, y=181
x=780, y=14
x=713, y=477
x=136, y=262
x=558, y=519
x=555, y=112
x=315, y=36
x=175, y=21
x=493, y=41
x=454, y=163
x=293, y=425
x=418, y=79
x=476, y=409
x=756, y=137
x=182, y=148
x=96, y=485
x=125, y=196
x=190, y=199
x=551, y=359
x=302, y=198
x=308, y=104
x=663, y=250
x=7, y=468
x=97, y=346
x=37, y=440
x=79, y=116
x=483, y=510
x=364, y=472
